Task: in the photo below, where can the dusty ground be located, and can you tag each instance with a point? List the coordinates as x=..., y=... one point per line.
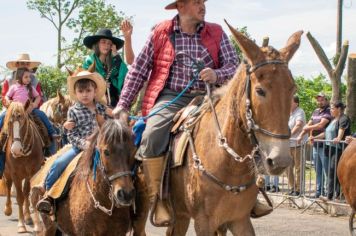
x=283, y=221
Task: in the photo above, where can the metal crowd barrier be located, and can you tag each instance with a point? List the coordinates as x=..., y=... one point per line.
x=317, y=184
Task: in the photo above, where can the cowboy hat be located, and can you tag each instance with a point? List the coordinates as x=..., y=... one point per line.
x=25, y=58
x=172, y=5
x=89, y=41
x=93, y=76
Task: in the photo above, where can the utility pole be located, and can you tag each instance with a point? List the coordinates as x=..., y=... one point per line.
x=339, y=28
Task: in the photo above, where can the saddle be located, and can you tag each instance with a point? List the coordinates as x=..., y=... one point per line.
x=59, y=188
x=42, y=130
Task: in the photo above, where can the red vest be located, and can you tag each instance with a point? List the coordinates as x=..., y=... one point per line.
x=164, y=55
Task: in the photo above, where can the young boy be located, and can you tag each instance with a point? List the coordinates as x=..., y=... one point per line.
x=86, y=89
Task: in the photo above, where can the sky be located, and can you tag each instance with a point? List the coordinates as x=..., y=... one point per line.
x=23, y=30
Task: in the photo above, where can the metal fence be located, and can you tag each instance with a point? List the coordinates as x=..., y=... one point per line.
x=313, y=177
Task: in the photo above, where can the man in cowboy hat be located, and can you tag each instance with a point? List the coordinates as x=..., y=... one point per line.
x=23, y=60
x=86, y=88
x=190, y=33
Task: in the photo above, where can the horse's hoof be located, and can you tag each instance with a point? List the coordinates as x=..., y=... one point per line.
x=21, y=230
x=8, y=211
x=29, y=221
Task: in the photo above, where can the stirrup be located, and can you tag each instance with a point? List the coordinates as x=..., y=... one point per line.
x=152, y=216
x=45, y=206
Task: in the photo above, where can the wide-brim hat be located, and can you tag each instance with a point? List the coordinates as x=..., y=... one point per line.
x=89, y=41
x=93, y=76
x=25, y=58
x=172, y=5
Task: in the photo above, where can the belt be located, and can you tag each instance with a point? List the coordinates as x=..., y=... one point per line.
x=196, y=91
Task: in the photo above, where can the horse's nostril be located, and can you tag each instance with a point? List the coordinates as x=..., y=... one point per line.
x=125, y=196
x=270, y=162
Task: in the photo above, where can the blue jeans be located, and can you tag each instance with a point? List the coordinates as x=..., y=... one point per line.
x=59, y=166
x=43, y=117
x=2, y=117
x=2, y=162
x=321, y=165
x=268, y=181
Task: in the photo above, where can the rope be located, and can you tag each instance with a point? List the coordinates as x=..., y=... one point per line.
x=96, y=162
x=197, y=66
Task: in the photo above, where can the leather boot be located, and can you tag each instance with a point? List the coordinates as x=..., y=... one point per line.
x=260, y=210
x=153, y=168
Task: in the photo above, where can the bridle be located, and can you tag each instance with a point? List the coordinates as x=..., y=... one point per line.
x=252, y=127
x=97, y=163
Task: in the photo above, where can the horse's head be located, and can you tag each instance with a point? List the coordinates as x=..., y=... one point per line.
x=116, y=148
x=60, y=105
x=265, y=108
x=15, y=119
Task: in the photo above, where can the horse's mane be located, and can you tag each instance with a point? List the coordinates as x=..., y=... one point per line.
x=14, y=106
x=112, y=133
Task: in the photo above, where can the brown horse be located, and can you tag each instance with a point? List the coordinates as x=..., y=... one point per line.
x=346, y=172
x=24, y=157
x=216, y=186
x=56, y=108
x=99, y=206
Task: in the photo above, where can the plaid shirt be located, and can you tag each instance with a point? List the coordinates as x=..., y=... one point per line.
x=85, y=123
x=179, y=75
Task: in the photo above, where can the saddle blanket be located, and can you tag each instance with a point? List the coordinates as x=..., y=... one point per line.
x=57, y=189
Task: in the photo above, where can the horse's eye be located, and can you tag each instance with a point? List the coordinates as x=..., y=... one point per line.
x=106, y=152
x=260, y=92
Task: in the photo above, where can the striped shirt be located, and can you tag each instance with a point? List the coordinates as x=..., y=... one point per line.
x=85, y=123
x=179, y=75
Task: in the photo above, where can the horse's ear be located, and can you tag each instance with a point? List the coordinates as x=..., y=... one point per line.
x=92, y=67
x=251, y=51
x=60, y=96
x=69, y=71
x=27, y=104
x=292, y=46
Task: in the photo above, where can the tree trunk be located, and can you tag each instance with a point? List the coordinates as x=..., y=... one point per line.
x=59, y=47
x=336, y=89
x=351, y=87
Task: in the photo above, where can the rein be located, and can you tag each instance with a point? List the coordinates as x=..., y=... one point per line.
x=98, y=164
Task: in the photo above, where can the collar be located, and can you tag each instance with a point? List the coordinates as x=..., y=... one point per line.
x=80, y=106
x=178, y=29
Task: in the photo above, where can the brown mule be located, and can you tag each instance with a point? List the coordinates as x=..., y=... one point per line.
x=216, y=187
x=24, y=157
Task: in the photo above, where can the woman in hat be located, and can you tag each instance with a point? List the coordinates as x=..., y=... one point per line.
x=86, y=89
x=109, y=64
x=23, y=60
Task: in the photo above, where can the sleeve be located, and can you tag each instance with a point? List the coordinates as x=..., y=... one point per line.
x=39, y=91
x=5, y=88
x=10, y=93
x=87, y=62
x=74, y=135
x=327, y=115
x=137, y=74
x=300, y=116
x=344, y=122
x=228, y=60
x=35, y=92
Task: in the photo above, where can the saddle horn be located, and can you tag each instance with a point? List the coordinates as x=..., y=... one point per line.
x=92, y=67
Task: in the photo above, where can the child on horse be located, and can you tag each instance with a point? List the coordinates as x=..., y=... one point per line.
x=86, y=88
x=21, y=92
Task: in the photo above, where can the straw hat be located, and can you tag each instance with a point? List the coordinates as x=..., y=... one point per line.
x=25, y=58
x=172, y=5
x=89, y=41
x=93, y=76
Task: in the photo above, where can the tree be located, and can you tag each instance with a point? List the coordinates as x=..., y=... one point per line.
x=91, y=17
x=58, y=12
x=334, y=74
x=52, y=79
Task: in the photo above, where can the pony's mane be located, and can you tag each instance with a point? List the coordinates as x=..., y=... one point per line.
x=14, y=107
x=113, y=132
